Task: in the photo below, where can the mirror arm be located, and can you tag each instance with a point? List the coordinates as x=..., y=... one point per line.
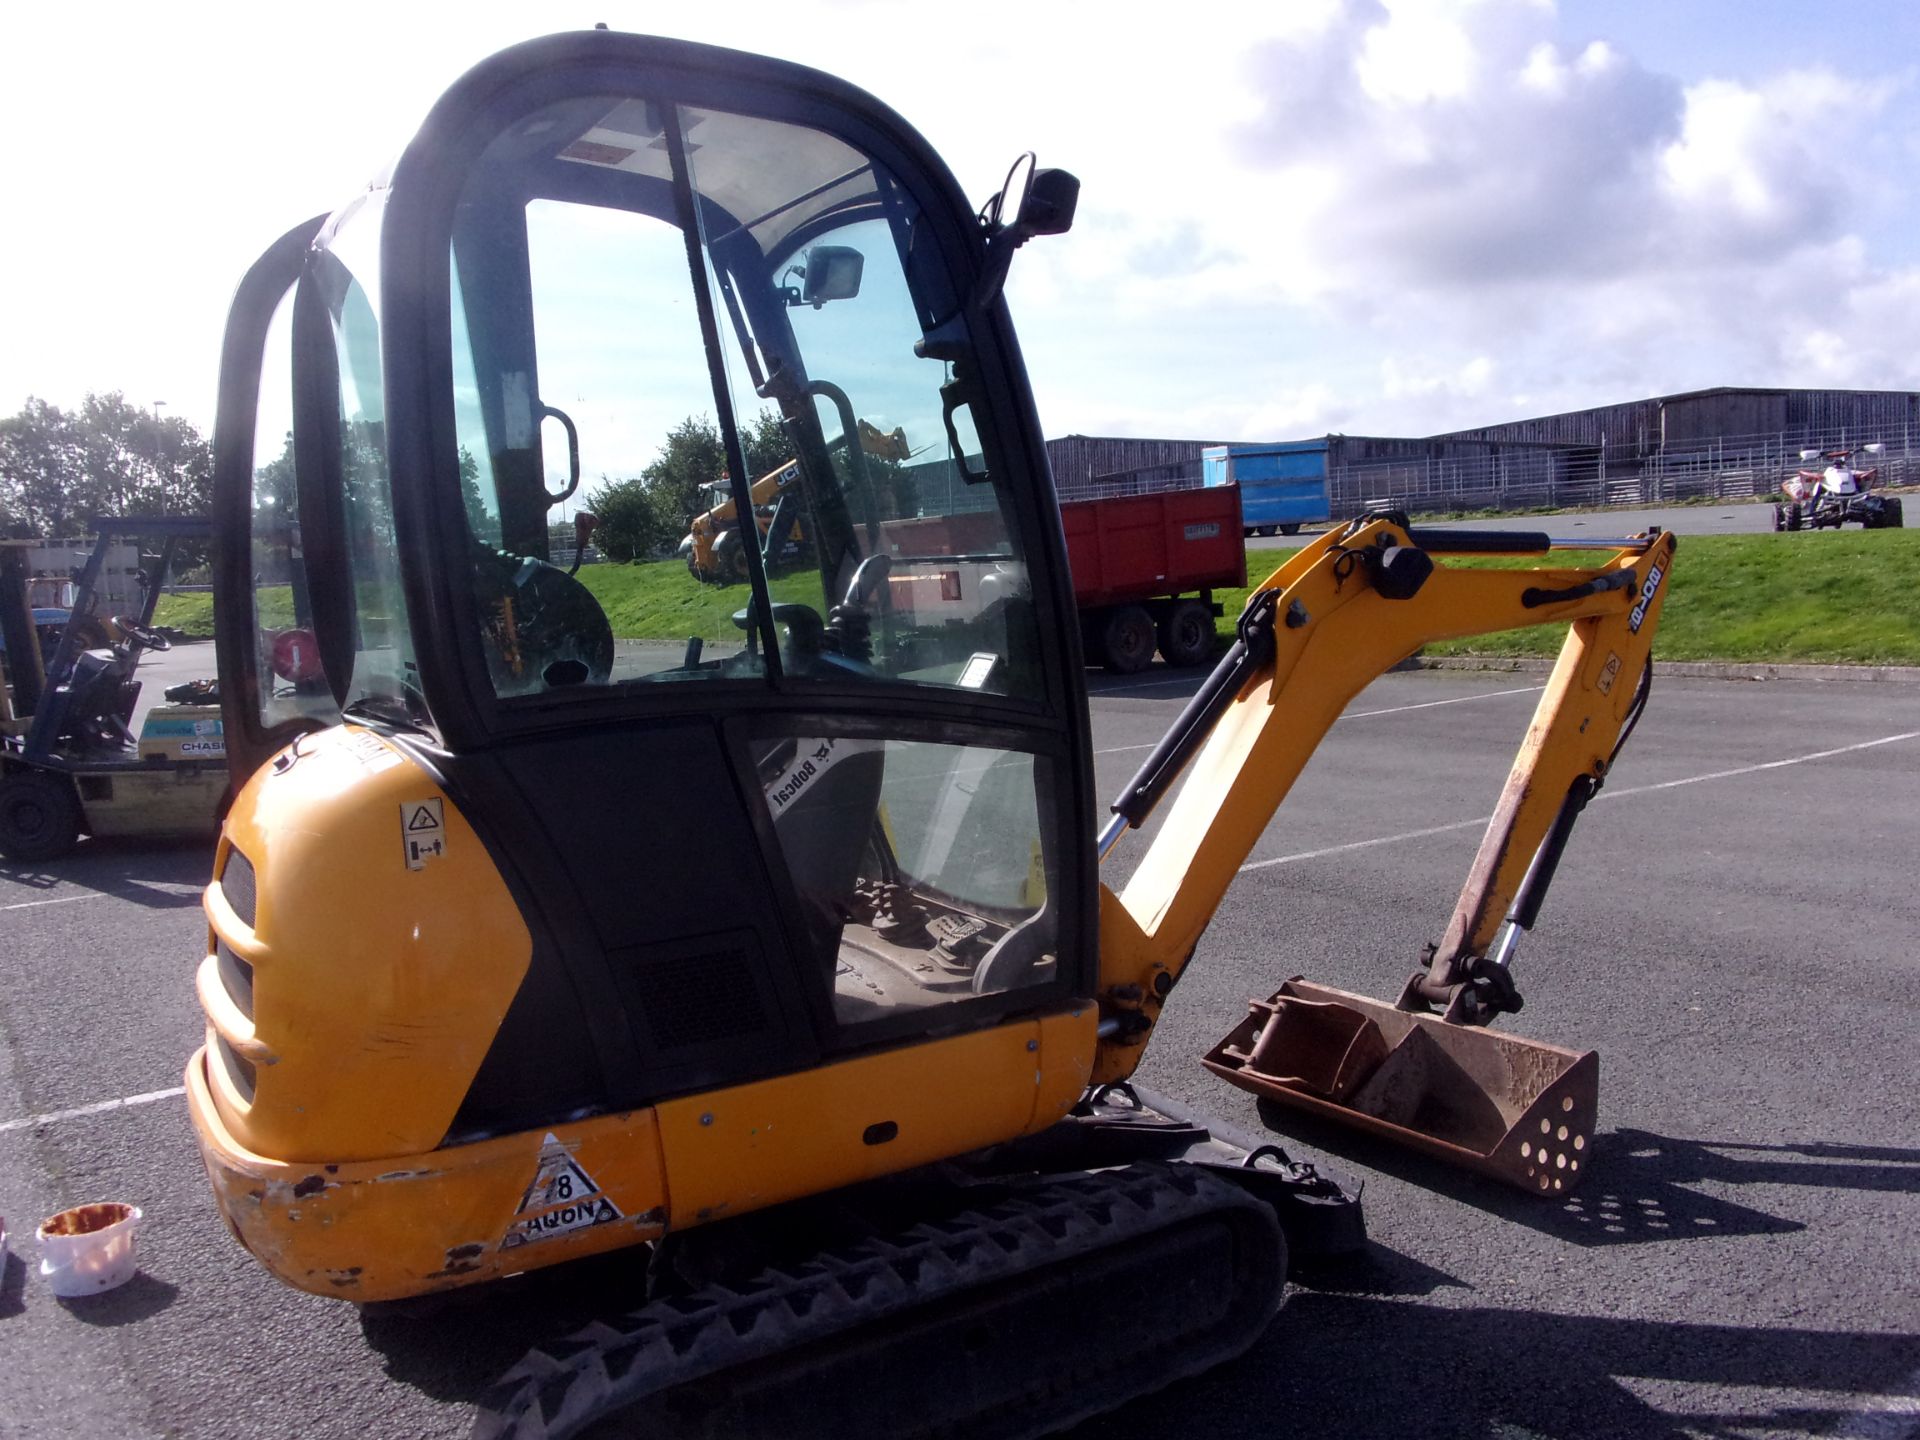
x=993, y=275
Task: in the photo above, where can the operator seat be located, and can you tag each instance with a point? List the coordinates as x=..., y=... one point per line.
x=825, y=800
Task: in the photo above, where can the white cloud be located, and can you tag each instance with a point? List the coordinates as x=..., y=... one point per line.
x=1423, y=52
x=1387, y=217
x=1470, y=379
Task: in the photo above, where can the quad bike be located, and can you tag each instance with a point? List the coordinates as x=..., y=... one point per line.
x=1835, y=496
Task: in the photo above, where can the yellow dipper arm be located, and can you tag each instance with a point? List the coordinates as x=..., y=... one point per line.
x=1338, y=614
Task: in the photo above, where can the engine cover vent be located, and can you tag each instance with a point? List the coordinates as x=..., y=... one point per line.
x=237, y=884
x=698, y=993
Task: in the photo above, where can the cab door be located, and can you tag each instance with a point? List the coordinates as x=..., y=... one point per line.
x=272, y=687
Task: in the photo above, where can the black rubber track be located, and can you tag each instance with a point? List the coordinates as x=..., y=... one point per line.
x=1059, y=1301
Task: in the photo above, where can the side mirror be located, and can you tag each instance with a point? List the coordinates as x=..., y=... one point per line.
x=583, y=524
x=1051, y=200
x=1876, y=448
x=1032, y=202
x=833, y=273
x=1809, y=454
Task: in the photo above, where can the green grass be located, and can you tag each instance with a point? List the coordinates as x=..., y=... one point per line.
x=1851, y=598
x=660, y=600
x=192, y=614
x=189, y=614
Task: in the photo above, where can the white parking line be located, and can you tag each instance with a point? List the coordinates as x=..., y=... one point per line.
x=1456, y=700
x=63, y=900
x=1140, y=685
x=1364, y=844
x=1872, y=1418
x=1603, y=795
x=1888, y=1417
x=1764, y=765
x=1368, y=714
x=99, y=1108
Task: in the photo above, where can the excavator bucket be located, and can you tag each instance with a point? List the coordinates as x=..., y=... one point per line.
x=1518, y=1110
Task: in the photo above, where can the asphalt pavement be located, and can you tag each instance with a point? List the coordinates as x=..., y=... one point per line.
x=1733, y=929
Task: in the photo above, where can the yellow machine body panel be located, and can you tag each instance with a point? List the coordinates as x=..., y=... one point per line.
x=455, y=1215
x=347, y=1021
x=756, y=1145
x=349, y=1011
x=404, y=1225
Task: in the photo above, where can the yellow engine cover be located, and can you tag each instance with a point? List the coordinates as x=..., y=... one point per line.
x=383, y=952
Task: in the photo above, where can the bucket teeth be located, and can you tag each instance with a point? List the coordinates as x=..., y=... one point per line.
x=1518, y=1110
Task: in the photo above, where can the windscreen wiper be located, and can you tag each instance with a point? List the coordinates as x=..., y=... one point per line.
x=386, y=709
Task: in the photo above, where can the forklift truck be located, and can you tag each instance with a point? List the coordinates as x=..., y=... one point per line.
x=69, y=759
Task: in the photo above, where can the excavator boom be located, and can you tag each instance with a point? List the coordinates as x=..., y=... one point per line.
x=1340, y=612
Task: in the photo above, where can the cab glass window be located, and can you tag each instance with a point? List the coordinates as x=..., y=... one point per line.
x=343, y=274
x=869, y=536
x=919, y=867
x=287, y=654
x=842, y=316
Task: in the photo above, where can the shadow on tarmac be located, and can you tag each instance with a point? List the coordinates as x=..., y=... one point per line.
x=139, y=1299
x=1343, y=1366
x=124, y=870
x=1355, y=1358
x=1638, y=1192
x=13, y=1285
x=1827, y=1164
x=455, y=1345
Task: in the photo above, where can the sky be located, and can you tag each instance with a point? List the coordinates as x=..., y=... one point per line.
x=1387, y=218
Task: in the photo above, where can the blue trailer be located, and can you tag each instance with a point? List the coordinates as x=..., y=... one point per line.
x=1282, y=486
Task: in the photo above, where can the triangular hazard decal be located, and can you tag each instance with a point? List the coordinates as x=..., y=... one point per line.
x=563, y=1198
x=558, y=1180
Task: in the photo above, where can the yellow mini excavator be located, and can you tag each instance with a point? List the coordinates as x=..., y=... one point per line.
x=786, y=956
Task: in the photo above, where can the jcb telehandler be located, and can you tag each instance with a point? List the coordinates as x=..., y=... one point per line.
x=715, y=545
x=788, y=957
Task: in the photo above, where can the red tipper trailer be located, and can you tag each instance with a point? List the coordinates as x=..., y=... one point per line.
x=1145, y=568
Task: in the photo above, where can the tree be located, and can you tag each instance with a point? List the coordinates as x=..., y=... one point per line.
x=481, y=521
x=648, y=514
x=58, y=469
x=628, y=528
x=765, y=441
x=692, y=459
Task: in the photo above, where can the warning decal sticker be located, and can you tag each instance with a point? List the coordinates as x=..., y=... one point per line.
x=1609, y=672
x=366, y=747
x=423, y=832
x=811, y=760
x=561, y=1199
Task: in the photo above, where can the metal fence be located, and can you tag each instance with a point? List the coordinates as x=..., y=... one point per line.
x=1522, y=477
x=1507, y=475
x=1150, y=480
